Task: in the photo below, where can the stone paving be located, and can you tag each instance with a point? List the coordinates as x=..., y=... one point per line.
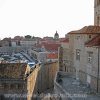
x=48, y=95
x=76, y=90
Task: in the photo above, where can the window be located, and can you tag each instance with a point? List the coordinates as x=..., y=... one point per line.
x=77, y=54
x=77, y=37
x=98, y=19
x=98, y=2
x=89, y=36
x=20, y=86
x=90, y=57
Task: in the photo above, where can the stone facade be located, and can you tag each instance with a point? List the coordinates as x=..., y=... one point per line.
x=60, y=58
x=79, y=55
x=41, y=79
x=93, y=84
x=28, y=42
x=97, y=12
x=93, y=69
x=65, y=62
x=13, y=81
x=25, y=82
x=40, y=56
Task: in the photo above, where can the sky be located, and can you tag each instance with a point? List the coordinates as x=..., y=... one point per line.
x=43, y=17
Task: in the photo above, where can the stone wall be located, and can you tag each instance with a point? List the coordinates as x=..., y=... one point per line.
x=41, y=79
x=60, y=57
x=37, y=80
x=93, y=84
x=96, y=12
x=82, y=76
x=60, y=92
x=65, y=61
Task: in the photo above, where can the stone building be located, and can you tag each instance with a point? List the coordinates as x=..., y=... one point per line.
x=77, y=41
x=28, y=42
x=93, y=63
x=65, y=56
x=13, y=81
x=84, y=47
x=38, y=55
x=97, y=12
x=20, y=82
x=65, y=43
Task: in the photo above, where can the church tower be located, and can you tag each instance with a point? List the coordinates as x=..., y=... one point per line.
x=97, y=12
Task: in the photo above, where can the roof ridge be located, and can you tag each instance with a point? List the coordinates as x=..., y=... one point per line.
x=87, y=30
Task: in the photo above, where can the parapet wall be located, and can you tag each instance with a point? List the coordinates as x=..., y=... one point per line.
x=58, y=89
x=42, y=78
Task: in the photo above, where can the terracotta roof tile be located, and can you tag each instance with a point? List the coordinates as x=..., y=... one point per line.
x=52, y=56
x=94, y=42
x=51, y=47
x=66, y=40
x=87, y=30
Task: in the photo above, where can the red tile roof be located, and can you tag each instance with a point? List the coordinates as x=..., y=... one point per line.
x=48, y=41
x=52, y=56
x=51, y=47
x=87, y=30
x=94, y=42
x=66, y=40
x=61, y=39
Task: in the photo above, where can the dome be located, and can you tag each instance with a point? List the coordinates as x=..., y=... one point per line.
x=56, y=34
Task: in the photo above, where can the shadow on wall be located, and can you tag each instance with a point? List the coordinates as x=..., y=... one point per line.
x=41, y=79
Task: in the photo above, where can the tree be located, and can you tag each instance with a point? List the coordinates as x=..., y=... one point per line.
x=7, y=39
x=28, y=37
x=18, y=37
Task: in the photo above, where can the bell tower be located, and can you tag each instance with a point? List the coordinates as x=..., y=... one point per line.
x=97, y=12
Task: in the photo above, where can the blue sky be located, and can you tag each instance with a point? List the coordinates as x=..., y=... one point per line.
x=43, y=17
